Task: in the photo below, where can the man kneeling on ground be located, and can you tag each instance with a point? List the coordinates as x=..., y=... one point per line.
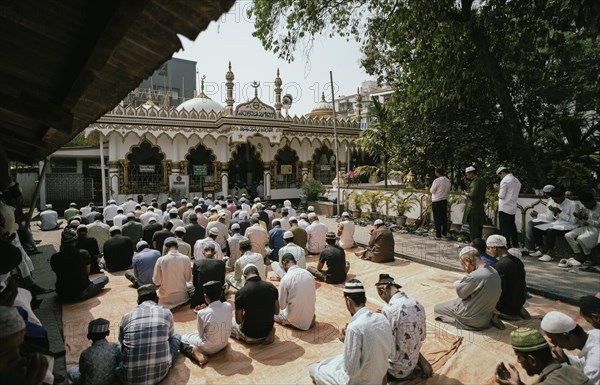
x=297, y=295
x=335, y=258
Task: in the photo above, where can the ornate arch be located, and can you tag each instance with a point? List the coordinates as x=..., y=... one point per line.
x=287, y=171
x=145, y=169
x=323, y=164
x=246, y=168
x=200, y=177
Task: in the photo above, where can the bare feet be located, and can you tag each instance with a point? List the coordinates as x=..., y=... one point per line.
x=200, y=358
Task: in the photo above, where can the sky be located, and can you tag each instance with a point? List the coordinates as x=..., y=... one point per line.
x=230, y=39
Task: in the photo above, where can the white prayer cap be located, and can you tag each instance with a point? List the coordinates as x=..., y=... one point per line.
x=556, y=322
x=515, y=252
x=130, y=214
x=235, y=226
x=243, y=214
x=173, y=211
x=378, y=222
x=180, y=229
x=354, y=286
x=345, y=214
x=247, y=266
x=151, y=208
x=303, y=215
x=120, y=210
x=467, y=250
x=73, y=204
x=547, y=188
x=256, y=200
x=189, y=205
x=152, y=220
x=312, y=215
x=470, y=169
x=214, y=231
x=114, y=228
x=293, y=219
x=111, y=201
x=288, y=235
x=223, y=215
x=500, y=169
x=198, y=207
x=184, y=200
x=11, y=321
x=287, y=203
x=48, y=206
x=273, y=207
x=140, y=244
x=495, y=240
x=81, y=227
x=311, y=208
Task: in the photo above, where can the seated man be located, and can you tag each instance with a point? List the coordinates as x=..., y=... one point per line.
x=148, y=340
x=534, y=355
x=368, y=342
x=589, y=308
x=71, y=211
x=512, y=273
x=478, y=293
x=143, y=265
x=49, y=219
x=91, y=246
x=205, y=270
x=381, y=244
x=97, y=363
x=248, y=257
x=539, y=218
x=583, y=239
x=289, y=248
x=559, y=221
x=346, y=232
x=481, y=246
x=564, y=333
x=297, y=296
x=214, y=326
x=71, y=266
x=172, y=273
x=118, y=251
x=255, y=305
x=407, y=320
x=275, y=240
x=335, y=258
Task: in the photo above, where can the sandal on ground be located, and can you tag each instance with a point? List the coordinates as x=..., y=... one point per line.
x=573, y=262
x=563, y=263
x=545, y=258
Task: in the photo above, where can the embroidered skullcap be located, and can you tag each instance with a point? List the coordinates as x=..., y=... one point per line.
x=330, y=235
x=73, y=204
x=500, y=169
x=547, y=188
x=68, y=235
x=527, y=340
x=99, y=325
x=467, y=250
x=354, y=286
x=214, y=231
x=378, y=222
x=556, y=322
x=11, y=321
x=288, y=235
x=180, y=229
x=245, y=242
x=146, y=290
x=140, y=244
x=235, y=226
x=495, y=240
x=209, y=196
x=470, y=169
x=311, y=208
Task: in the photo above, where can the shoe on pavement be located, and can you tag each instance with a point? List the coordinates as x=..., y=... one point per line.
x=497, y=323
x=563, y=263
x=573, y=262
x=545, y=258
x=535, y=254
x=524, y=313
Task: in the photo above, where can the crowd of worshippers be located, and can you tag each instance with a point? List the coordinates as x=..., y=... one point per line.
x=194, y=254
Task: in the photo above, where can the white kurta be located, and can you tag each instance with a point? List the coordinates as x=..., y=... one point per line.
x=214, y=328
x=347, y=234
x=367, y=346
x=316, y=237
x=297, y=297
x=201, y=245
x=588, y=360
x=172, y=273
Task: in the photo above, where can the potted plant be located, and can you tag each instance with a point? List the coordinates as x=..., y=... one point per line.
x=401, y=205
x=311, y=190
x=373, y=200
x=356, y=198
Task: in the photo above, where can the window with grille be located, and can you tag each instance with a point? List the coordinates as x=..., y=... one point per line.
x=201, y=169
x=286, y=168
x=324, y=165
x=145, y=170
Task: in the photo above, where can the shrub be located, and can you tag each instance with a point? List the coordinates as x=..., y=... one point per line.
x=312, y=188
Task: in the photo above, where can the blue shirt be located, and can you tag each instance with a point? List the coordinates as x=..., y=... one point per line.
x=276, y=242
x=143, y=265
x=488, y=259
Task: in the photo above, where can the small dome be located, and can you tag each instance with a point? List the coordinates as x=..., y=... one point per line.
x=323, y=109
x=200, y=102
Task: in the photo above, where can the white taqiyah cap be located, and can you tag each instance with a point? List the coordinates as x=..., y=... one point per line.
x=466, y=250
x=500, y=169
x=180, y=229
x=495, y=240
x=114, y=228
x=288, y=235
x=173, y=211
x=515, y=252
x=470, y=169
x=378, y=222
x=140, y=244
x=214, y=231
x=311, y=208
x=345, y=214
x=556, y=322
x=11, y=321
x=235, y=226
x=547, y=188
x=312, y=215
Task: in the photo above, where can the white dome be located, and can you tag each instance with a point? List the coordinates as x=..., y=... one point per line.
x=199, y=103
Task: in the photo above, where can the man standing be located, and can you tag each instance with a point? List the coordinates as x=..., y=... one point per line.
x=290, y=248
x=223, y=232
x=512, y=273
x=297, y=296
x=335, y=258
x=300, y=235
x=172, y=273
x=258, y=237
x=120, y=218
x=205, y=270
x=118, y=251
x=49, y=219
x=183, y=247
x=99, y=230
x=152, y=227
x=508, y=196
x=234, y=246
x=275, y=240
x=565, y=333
x=407, y=320
x=381, y=244
x=255, y=305
x=346, y=232
x=110, y=211
x=534, y=355
x=214, y=326
x=132, y=229
x=316, y=235
x=439, y=202
x=143, y=265
x=71, y=211
x=193, y=231
x=474, y=215
x=478, y=293
x=583, y=239
x=368, y=342
x=148, y=341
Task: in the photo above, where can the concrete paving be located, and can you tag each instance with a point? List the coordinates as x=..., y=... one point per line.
x=543, y=278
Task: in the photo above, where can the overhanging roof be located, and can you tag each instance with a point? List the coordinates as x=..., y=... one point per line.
x=67, y=62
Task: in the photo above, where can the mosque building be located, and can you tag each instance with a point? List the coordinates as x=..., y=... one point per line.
x=213, y=148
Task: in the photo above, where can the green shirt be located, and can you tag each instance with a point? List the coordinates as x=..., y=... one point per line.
x=556, y=374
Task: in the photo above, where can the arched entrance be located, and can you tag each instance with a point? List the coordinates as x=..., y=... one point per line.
x=201, y=169
x=245, y=166
x=324, y=165
x=145, y=170
x=287, y=168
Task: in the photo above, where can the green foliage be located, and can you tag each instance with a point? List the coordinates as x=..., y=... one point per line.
x=582, y=180
x=402, y=204
x=312, y=188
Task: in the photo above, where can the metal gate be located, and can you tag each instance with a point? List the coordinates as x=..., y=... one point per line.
x=69, y=188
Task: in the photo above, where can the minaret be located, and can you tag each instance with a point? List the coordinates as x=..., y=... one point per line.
x=229, y=101
x=358, y=104
x=278, y=94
